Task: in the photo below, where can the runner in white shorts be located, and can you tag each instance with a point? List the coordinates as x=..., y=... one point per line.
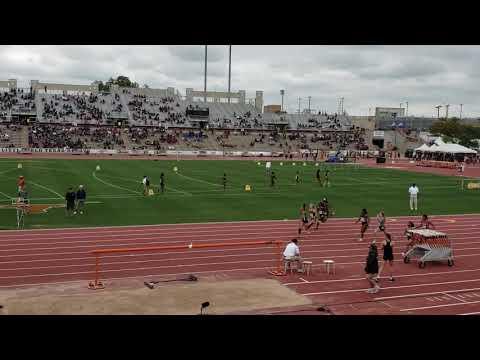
x=413, y=191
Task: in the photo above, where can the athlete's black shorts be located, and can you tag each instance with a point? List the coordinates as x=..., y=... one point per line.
x=70, y=205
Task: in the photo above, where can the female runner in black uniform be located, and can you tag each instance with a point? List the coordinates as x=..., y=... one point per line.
x=312, y=216
x=318, y=177
x=387, y=255
x=381, y=222
x=364, y=220
x=303, y=219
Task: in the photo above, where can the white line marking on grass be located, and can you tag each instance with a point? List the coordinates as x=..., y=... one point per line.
x=199, y=180
x=5, y=171
x=48, y=189
x=8, y=197
x=114, y=186
x=154, y=186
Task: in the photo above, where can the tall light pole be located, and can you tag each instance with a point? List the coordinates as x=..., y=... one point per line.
x=309, y=98
x=282, y=93
x=446, y=111
x=205, y=77
x=407, y=109
x=438, y=110
x=229, y=70
x=461, y=108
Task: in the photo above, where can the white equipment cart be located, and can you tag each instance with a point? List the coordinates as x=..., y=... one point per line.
x=429, y=245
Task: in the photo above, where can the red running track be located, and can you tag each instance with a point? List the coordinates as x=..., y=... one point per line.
x=36, y=257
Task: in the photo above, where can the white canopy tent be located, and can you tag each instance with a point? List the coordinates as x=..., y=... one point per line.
x=441, y=147
x=422, y=148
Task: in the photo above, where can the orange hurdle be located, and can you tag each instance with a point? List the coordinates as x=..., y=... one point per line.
x=97, y=284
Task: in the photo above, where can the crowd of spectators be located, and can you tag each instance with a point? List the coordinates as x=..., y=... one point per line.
x=16, y=100
x=6, y=132
x=73, y=137
x=73, y=107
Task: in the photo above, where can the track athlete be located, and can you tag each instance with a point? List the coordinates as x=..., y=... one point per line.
x=326, y=180
x=224, y=181
x=273, y=177
x=162, y=183
x=297, y=178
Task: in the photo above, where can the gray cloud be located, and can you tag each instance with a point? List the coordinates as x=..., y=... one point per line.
x=366, y=76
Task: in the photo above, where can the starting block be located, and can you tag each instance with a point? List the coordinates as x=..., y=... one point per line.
x=248, y=188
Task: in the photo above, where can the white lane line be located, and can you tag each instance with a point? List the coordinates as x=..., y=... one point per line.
x=303, y=280
x=332, y=221
x=457, y=298
x=439, y=306
x=426, y=294
x=142, y=277
x=472, y=313
x=137, y=269
x=394, y=287
x=48, y=189
x=114, y=186
x=397, y=276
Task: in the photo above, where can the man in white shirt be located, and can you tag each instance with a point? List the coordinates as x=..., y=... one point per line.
x=413, y=191
x=292, y=253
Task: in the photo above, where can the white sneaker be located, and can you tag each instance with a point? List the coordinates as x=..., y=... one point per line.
x=74, y=213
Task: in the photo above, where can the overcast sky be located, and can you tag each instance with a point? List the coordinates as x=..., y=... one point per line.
x=366, y=76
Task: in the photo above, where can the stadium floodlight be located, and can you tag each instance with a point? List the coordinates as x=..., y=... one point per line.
x=229, y=70
x=205, y=77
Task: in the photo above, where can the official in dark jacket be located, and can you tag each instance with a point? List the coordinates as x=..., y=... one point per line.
x=81, y=198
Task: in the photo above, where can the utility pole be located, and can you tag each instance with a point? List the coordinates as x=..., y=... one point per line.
x=205, y=77
x=309, y=98
x=446, y=111
x=282, y=92
x=229, y=70
x=438, y=110
x=461, y=108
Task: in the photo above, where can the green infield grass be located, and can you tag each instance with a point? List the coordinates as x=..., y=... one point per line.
x=195, y=193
